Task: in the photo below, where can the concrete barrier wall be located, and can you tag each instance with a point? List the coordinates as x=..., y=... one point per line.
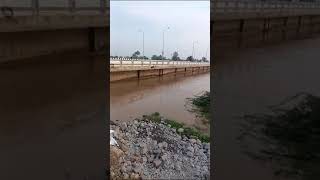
x=242, y=33
x=136, y=74
x=17, y=45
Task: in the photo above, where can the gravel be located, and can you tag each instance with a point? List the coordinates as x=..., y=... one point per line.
x=156, y=151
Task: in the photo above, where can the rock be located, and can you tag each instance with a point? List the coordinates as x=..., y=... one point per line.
x=164, y=144
x=157, y=151
x=198, y=141
x=157, y=163
x=164, y=157
x=129, y=168
x=180, y=130
x=134, y=176
x=144, y=159
x=190, y=154
x=144, y=150
x=123, y=126
x=169, y=125
x=193, y=141
x=151, y=158
x=178, y=167
x=137, y=169
x=125, y=176
x=123, y=169
x=190, y=148
x=206, y=146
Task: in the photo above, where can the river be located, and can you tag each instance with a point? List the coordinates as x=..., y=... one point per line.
x=166, y=94
x=53, y=118
x=247, y=82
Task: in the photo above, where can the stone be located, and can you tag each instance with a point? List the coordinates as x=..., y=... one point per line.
x=193, y=141
x=178, y=167
x=129, y=168
x=180, y=130
x=164, y=157
x=123, y=169
x=169, y=125
x=137, y=169
x=157, y=151
x=125, y=176
x=164, y=144
x=190, y=154
x=190, y=149
x=206, y=146
x=157, y=163
x=151, y=158
x=134, y=176
x=144, y=150
x=144, y=159
x=123, y=126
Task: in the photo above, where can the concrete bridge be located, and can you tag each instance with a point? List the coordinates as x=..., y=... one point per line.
x=122, y=68
x=37, y=27
x=242, y=24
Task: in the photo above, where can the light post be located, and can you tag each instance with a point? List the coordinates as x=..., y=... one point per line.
x=142, y=43
x=194, y=42
x=207, y=53
x=163, y=41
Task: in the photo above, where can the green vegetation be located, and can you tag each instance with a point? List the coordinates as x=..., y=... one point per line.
x=187, y=131
x=201, y=105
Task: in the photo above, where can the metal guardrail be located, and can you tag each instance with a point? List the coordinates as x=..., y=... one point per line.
x=53, y=7
x=263, y=8
x=118, y=62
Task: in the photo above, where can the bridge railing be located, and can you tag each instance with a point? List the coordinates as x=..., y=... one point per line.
x=119, y=62
x=52, y=7
x=225, y=8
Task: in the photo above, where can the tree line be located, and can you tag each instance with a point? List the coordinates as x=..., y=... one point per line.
x=175, y=57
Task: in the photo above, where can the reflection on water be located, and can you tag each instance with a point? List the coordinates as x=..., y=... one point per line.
x=289, y=137
x=166, y=95
x=52, y=113
x=249, y=82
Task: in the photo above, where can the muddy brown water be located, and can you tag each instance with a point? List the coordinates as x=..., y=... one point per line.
x=246, y=83
x=130, y=99
x=53, y=118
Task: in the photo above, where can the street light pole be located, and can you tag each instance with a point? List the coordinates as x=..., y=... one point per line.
x=142, y=43
x=193, y=48
x=163, y=42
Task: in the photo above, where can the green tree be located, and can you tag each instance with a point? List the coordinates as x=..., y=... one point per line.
x=154, y=57
x=190, y=58
x=136, y=54
x=175, y=56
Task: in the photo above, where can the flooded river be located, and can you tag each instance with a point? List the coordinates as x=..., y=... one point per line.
x=248, y=82
x=166, y=95
x=52, y=118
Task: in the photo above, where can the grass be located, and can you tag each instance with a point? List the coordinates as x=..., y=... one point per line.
x=188, y=131
x=201, y=105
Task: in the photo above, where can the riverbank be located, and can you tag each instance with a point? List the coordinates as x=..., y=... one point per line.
x=151, y=149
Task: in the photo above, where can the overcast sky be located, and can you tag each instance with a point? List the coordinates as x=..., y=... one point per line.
x=188, y=21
